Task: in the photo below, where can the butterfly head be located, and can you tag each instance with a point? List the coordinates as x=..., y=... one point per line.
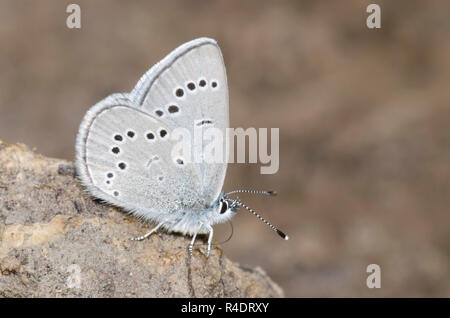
x=226, y=207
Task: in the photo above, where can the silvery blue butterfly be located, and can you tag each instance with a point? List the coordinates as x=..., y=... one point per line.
x=124, y=151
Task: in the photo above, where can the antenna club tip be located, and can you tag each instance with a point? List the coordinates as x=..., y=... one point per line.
x=284, y=236
x=273, y=193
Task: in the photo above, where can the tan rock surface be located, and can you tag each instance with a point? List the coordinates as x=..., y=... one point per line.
x=56, y=241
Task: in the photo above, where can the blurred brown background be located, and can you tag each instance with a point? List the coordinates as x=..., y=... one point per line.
x=364, y=120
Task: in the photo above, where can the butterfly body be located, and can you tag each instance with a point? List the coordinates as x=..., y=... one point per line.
x=182, y=221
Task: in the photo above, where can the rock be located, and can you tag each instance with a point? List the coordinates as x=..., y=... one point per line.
x=57, y=241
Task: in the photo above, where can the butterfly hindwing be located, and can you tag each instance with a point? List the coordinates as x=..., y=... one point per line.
x=126, y=160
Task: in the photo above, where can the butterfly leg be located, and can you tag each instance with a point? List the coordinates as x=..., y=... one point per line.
x=140, y=238
x=211, y=232
x=191, y=246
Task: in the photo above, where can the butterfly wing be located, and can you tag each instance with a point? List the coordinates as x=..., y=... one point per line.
x=138, y=171
x=124, y=157
x=188, y=89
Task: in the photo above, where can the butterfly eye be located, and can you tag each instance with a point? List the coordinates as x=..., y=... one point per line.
x=224, y=206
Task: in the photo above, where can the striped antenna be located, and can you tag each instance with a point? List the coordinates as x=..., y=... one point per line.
x=284, y=236
x=272, y=193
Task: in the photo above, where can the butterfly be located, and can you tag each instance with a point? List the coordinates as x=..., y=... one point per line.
x=124, y=149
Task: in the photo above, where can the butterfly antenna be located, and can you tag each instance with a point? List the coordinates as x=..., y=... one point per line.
x=263, y=192
x=284, y=236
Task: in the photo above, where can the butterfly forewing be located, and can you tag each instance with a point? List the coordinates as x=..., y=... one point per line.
x=189, y=89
